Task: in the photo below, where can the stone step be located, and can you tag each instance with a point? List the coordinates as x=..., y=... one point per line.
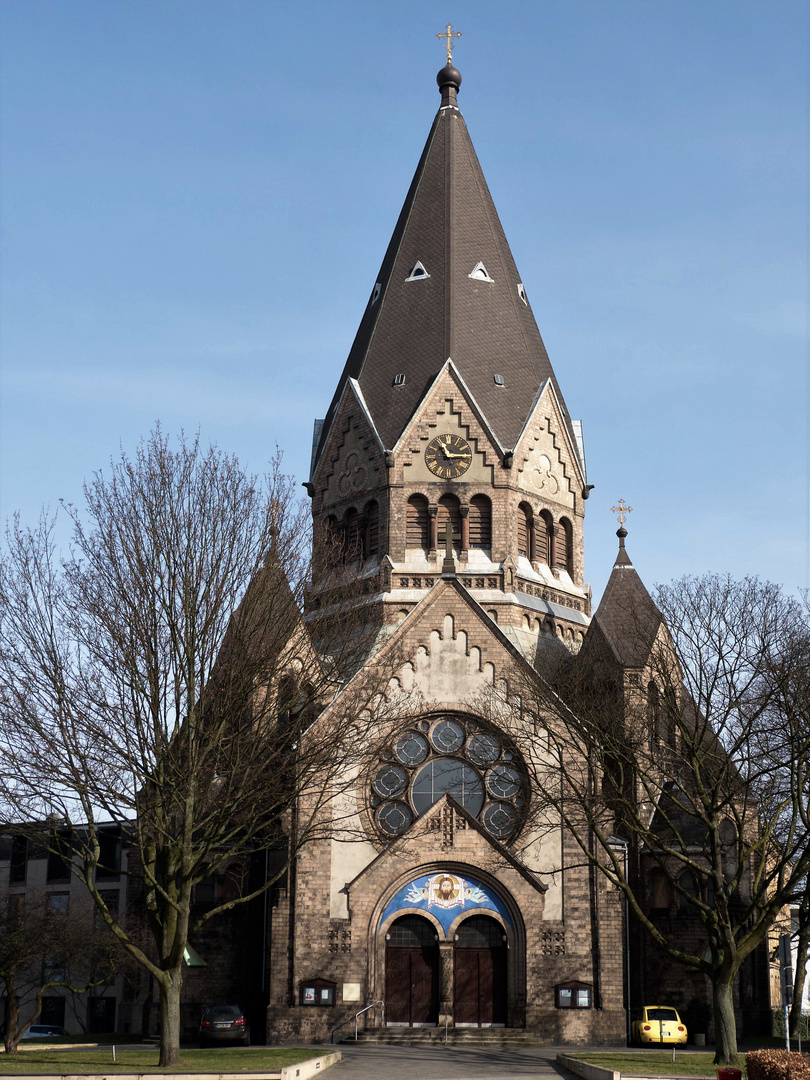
x=403, y=1036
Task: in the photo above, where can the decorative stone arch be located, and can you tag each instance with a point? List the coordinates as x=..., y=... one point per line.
x=514, y=928
x=387, y=922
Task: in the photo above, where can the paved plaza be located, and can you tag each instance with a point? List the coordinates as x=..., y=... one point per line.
x=445, y=1063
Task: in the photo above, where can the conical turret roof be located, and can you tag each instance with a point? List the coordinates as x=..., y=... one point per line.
x=448, y=287
x=627, y=619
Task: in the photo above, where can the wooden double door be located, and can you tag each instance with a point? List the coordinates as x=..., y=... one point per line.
x=412, y=969
x=413, y=973
x=480, y=973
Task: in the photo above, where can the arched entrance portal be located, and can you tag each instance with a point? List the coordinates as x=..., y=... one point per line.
x=412, y=972
x=480, y=973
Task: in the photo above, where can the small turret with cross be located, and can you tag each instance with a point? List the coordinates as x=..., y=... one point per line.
x=622, y=510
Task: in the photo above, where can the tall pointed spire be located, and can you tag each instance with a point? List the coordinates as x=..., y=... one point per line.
x=448, y=287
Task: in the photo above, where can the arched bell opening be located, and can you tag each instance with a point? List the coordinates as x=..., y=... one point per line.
x=480, y=973
x=412, y=973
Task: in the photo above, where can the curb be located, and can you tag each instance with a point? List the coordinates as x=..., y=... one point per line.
x=302, y=1071
x=310, y=1067
x=585, y=1070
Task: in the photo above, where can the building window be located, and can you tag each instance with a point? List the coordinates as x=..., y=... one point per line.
x=449, y=514
x=351, y=526
x=659, y=892
x=480, y=521
x=58, y=862
x=455, y=755
x=689, y=892
x=564, y=545
x=332, y=542
x=110, y=898
x=373, y=528
x=573, y=995
x=53, y=1010
x=57, y=903
x=653, y=714
x=417, y=523
x=19, y=860
x=109, y=856
x=524, y=530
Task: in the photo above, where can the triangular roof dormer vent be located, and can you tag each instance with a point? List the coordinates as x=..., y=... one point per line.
x=375, y=294
x=522, y=293
x=417, y=273
x=479, y=273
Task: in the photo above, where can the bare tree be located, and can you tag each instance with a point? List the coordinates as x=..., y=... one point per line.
x=682, y=754
x=791, y=678
x=45, y=945
x=162, y=677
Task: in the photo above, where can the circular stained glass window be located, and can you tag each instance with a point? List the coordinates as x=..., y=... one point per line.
x=412, y=748
x=394, y=818
x=483, y=749
x=447, y=736
x=449, y=754
x=447, y=776
x=390, y=781
x=500, y=820
x=503, y=782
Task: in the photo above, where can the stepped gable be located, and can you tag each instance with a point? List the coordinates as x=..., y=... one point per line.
x=448, y=288
x=627, y=620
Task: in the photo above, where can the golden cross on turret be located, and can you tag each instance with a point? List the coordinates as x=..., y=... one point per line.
x=622, y=511
x=448, y=41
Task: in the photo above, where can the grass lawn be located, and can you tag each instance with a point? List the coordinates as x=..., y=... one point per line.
x=657, y=1063
x=58, y=1062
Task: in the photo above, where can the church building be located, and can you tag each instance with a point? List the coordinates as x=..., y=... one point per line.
x=448, y=487
x=452, y=475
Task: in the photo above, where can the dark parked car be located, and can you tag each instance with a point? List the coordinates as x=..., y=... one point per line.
x=43, y=1031
x=224, y=1024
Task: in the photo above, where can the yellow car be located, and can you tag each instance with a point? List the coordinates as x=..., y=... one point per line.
x=658, y=1025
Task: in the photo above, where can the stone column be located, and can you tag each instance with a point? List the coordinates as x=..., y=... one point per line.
x=433, y=522
x=552, y=550
x=465, y=532
x=446, y=950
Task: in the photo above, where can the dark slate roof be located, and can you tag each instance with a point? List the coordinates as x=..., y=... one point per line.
x=626, y=617
x=449, y=224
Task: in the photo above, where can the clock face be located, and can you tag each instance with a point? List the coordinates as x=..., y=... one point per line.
x=448, y=456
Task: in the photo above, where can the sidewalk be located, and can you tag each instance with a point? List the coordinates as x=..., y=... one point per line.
x=444, y=1063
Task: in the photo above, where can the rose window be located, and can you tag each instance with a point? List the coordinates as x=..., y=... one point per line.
x=456, y=756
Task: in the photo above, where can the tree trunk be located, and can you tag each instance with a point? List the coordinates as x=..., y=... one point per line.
x=11, y=1042
x=800, y=973
x=170, y=986
x=725, y=1023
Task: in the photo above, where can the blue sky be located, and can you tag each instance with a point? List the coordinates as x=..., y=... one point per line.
x=196, y=197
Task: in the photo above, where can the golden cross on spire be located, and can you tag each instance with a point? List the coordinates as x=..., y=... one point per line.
x=448, y=41
x=622, y=511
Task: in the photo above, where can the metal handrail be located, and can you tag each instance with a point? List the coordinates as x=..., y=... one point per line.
x=373, y=1005
x=356, y=1016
